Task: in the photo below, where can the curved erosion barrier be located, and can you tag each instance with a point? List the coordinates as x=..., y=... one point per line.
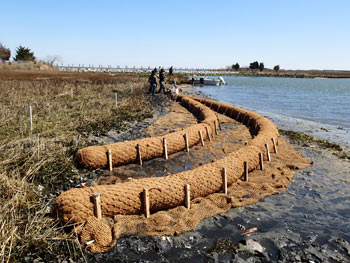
x=76, y=205
x=126, y=152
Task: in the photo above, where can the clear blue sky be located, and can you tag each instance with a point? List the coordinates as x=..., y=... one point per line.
x=296, y=34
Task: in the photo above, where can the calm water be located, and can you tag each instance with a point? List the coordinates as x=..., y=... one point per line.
x=323, y=101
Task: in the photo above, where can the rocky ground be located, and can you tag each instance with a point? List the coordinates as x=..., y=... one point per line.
x=307, y=223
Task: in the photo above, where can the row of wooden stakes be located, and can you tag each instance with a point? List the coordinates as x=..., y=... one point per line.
x=187, y=188
x=165, y=148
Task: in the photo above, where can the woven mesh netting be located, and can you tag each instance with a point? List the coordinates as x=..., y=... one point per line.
x=75, y=205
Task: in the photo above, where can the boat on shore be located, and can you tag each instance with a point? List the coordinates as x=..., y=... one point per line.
x=208, y=81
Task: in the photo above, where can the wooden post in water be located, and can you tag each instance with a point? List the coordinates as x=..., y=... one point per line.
x=146, y=206
x=201, y=137
x=274, y=145
x=268, y=152
x=246, y=171
x=224, y=180
x=208, y=132
x=186, y=143
x=165, y=149
x=261, y=158
x=187, y=196
x=139, y=153
x=97, y=205
x=110, y=161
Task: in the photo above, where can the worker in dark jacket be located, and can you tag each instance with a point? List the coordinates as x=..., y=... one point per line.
x=161, y=81
x=152, y=82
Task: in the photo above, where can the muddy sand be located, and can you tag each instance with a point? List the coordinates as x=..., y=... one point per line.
x=308, y=222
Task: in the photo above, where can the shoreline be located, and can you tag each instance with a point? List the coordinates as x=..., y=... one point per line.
x=321, y=132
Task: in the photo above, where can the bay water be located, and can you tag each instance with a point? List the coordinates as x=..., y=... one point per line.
x=319, y=107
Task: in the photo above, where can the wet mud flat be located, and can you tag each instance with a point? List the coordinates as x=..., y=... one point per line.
x=307, y=223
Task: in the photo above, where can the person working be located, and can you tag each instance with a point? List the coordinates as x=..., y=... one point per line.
x=161, y=81
x=152, y=82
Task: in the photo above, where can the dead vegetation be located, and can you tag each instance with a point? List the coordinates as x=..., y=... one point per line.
x=35, y=166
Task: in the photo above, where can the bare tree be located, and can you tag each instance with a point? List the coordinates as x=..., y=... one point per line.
x=51, y=59
x=5, y=53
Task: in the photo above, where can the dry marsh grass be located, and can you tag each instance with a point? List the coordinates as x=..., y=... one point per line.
x=35, y=166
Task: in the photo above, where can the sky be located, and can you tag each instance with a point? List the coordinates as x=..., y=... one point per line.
x=295, y=34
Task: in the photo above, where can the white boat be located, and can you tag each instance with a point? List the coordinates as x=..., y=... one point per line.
x=208, y=81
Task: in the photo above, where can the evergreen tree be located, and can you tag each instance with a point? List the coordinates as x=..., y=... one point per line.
x=254, y=65
x=261, y=66
x=24, y=54
x=235, y=66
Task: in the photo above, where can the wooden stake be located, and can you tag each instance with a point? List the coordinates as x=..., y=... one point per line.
x=219, y=122
x=201, y=137
x=256, y=124
x=110, y=161
x=248, y=121
x=186, y=143
x=224, y=180
x=146, y=205
x=71, y=93
x=237, y=117
x=245, y=143
x=116, y=99
x=31, y=117
x=208, y=132
x=187, y=196
x=139, y=153
x=246, y=171
x=274, y=145
x=165, y=149
x=268, y=152
x=97, y=205
x=216, y=129
x=244, y=115
x=261, y=158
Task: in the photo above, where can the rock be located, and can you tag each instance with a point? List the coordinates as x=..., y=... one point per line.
x=250, y=246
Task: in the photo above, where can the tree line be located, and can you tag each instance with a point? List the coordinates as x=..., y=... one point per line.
x=255, y=66
x=21, y=54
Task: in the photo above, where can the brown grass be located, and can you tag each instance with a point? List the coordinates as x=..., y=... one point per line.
x=35, y=166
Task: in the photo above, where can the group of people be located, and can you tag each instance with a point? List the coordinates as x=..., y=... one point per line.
x=154, y=83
